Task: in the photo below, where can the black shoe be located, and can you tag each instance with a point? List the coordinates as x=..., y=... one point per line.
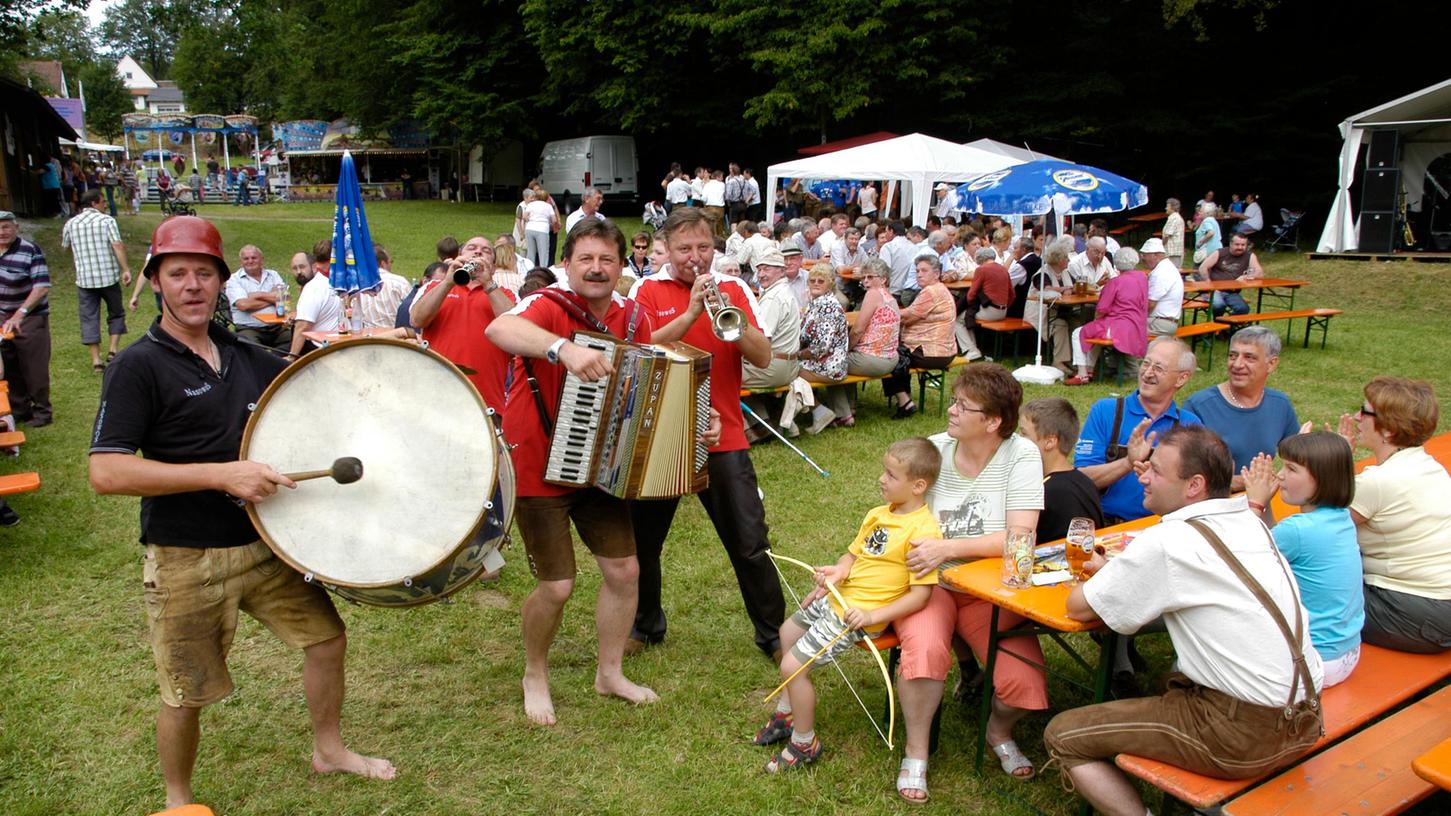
x=904, y=411
x=8, y=517
x=37, y=423
x=1124, y=686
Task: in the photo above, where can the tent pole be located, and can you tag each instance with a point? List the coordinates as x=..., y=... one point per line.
x=193, y=150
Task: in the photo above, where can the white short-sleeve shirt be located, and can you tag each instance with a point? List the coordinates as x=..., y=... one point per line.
x=319, y=305
x=967, y=508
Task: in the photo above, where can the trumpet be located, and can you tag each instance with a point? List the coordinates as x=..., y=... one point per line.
x=725, y=320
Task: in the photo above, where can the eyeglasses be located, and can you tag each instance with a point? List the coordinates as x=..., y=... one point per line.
x=963, y=406
x=1365, y=412
x=1156, y=368
x=642, y=246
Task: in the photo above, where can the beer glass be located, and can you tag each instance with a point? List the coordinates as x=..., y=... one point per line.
x=1078, y=546
x=1018, y=558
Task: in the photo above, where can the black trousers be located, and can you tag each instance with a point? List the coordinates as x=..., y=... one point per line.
x=735, y=509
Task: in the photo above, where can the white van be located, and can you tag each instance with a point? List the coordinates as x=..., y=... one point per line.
x=607, y=163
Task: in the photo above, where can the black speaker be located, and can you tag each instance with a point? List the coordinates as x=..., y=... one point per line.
x=1377, y=231
x=1380, y=190
x=1385, y=149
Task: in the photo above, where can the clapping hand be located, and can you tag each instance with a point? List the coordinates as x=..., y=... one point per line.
x=1141, y=442
x=1348, y=429
x=1260, y=481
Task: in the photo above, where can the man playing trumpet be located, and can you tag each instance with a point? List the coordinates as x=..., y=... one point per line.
x=674, y=299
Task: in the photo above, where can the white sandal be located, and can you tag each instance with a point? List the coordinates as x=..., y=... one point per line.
x=915, y=779
x=1012, y=759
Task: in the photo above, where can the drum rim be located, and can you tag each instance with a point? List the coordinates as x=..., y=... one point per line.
x=501, y=449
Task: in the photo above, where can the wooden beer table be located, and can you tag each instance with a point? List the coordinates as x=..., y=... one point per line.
x=1046, y=611
x=1260, y=285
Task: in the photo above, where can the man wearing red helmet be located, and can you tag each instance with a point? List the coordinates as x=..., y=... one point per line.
x=180, y=396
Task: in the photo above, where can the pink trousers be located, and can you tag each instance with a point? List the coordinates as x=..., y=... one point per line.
x=927, y=647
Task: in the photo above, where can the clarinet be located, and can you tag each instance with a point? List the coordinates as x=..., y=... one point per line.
x=462, y=275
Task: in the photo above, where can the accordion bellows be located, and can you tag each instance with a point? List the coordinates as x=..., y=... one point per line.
x=635, y=434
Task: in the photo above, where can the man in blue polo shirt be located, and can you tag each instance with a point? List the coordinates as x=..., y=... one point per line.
x=1120, y=432
x=1249, y=417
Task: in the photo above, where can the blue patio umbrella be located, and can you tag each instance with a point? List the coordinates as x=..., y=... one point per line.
x=354, y=266
x=1047, y=185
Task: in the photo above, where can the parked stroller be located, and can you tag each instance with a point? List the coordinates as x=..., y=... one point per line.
x=654, y=215
x=176, y=202
x=1287, y=234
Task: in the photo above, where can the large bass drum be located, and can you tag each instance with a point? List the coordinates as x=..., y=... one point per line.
x=437, y=492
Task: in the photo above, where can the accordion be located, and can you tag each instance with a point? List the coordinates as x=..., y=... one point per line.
x=636, y=433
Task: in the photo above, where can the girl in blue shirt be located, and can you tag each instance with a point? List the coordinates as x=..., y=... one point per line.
x=1319, y=541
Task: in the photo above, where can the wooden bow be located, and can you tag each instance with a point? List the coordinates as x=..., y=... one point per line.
x=881, y=664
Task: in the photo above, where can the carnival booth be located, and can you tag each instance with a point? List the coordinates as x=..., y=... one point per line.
x=163, y=137
x=396, y=164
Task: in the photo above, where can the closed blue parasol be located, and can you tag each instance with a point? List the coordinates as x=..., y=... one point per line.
x=1046, y=185
x=354, y=266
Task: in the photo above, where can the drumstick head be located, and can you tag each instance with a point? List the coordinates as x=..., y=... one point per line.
x=347, y=470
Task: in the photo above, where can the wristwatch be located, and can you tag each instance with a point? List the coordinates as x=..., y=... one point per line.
x=552, y=355
x=23, y=311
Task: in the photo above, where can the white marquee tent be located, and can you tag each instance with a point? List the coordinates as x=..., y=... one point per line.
x=1424, y=121
x=916, y=160
x=1022, y=154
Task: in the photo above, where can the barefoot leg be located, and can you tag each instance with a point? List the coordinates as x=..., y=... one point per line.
x=178, y=731
x=543, y=610
x=322, y=684
x=614, y=615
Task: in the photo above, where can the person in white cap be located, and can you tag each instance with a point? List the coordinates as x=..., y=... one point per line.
x=946, y=200
x=1166, y=290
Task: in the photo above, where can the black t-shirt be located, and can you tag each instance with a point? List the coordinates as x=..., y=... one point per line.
x=1067, y=494
x=161, y=399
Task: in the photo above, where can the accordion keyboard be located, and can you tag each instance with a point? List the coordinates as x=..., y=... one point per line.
x=581, y=409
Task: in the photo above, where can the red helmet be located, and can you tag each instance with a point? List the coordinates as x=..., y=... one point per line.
x=186, y=234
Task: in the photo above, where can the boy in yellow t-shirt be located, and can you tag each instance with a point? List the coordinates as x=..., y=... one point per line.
x=878, y=587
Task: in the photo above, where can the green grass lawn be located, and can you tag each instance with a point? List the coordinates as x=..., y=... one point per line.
x=437, y=688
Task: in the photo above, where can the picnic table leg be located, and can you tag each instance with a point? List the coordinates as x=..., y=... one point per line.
x=987, y=688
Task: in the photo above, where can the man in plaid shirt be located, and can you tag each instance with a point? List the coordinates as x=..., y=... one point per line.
x=24, y=287
x=101, y=270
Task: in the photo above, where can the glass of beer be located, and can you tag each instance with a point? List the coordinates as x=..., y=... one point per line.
x=1018, y=558
x=1078, y=546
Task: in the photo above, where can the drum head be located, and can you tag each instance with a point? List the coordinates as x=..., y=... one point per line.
x=428, y=453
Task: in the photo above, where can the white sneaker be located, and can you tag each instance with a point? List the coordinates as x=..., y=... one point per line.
x=820, y=418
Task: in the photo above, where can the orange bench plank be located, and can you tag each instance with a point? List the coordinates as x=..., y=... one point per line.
x=4, y=387
x=186, y=810
x=1368, y=773
x=1263, y=316
x=1196, y=329
x=1010, y=324
x=4, y=405
x=1434, y=766
x=13, y=483
x=9, y=439
x=1195, y=304
x=1382, y=681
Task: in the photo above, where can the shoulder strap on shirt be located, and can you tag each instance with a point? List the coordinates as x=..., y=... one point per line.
x=1296, y=642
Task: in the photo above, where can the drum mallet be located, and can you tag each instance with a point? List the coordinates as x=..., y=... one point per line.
x=346, y=470
x=767, y=425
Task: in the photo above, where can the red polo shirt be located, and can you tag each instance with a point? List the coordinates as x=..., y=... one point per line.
x=457, y=332
x=993, y=280
x=664, y=298
x=522, y=428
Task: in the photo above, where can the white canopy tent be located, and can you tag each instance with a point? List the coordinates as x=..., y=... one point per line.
x=1022, y=154
x=1424, y=121
x=916, y=160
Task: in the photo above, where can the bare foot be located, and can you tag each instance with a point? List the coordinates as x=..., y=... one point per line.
x=620, y=686
x=353, y=763
x=538, y=705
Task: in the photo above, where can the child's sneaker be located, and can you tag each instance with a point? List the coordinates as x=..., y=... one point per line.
x=795, y=756
x=776, y=730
